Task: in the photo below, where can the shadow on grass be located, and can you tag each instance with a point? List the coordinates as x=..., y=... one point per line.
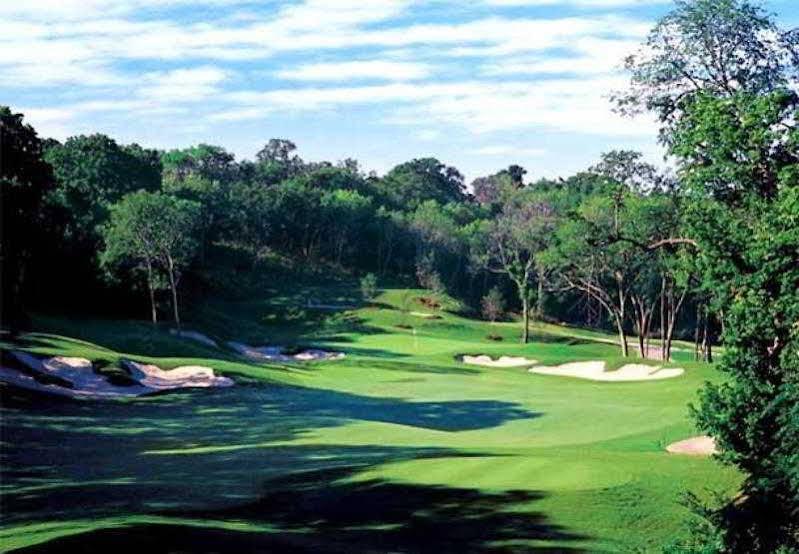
x=321, y=511
x=63, y=458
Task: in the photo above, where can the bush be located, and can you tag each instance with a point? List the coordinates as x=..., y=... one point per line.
x=493, y=305
x=369, y=287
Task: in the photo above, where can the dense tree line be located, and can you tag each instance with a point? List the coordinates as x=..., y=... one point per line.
x=711, y=251
x=134, y=221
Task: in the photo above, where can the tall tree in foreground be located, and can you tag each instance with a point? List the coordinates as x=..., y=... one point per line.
x=153, y=233
x=510, y=245
x=721, y=77
x=25, y=179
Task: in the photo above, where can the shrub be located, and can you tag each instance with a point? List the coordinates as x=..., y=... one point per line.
x=493, y=305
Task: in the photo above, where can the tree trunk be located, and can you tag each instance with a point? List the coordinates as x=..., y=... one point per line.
x=153, y=313
x=664, y=348
x=539, y=308
x=622, y=336
x=707, y=353
x=698, y=354
x=641, y=346
x=526, y=317
x=173, y=286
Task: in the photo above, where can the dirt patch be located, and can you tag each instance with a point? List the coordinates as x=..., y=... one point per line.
x=695, y=446
x=78, y=378
x=503, y=361
x=595, y=371
x=280, y=354
x=428, y=302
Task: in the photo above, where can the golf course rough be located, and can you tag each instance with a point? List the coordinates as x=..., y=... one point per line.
x=399, y=446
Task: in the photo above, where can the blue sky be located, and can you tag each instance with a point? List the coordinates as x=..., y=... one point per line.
x=478, y=84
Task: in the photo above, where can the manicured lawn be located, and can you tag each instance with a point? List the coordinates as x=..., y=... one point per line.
x=398, y=447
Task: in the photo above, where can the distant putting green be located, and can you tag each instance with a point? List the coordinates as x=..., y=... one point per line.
x=397, y=447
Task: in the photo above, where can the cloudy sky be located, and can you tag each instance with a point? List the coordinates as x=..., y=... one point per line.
x=478, y=84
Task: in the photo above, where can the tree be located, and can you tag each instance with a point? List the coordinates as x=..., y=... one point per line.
x=345, y=214
x=587, y=256
x=211, y=163
x=495, y=189
x=249, y=218
x=412, y=183
x=277, y=161
x=153, y=232
x=510, y=244
x=748, y=257
x=493, y=304
x=516, y=174
x=92, y=173
x=722, y=79
x=716, y=47
x=25, y=180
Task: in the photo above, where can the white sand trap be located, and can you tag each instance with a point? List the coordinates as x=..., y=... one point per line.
x=695, y=446
x=155, y=378
x=277, y=354
x=76, y=378
x=195, y=336
x=502, y=361
x=595, y=371
x=424, y=315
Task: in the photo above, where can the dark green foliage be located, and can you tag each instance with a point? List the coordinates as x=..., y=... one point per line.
x=412, y=183
x=155, y=234
x=93, y=172
x=718, y=47
x=719, y=80
x=25, y=179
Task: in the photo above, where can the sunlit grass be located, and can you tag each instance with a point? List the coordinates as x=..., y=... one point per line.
x=400, y=409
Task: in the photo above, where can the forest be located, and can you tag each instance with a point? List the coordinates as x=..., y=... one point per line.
x=703, y=251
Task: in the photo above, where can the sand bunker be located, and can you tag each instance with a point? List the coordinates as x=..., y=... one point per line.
x=196, y=336
x=595, y=371
x=278, y=353
x=502, y=361
x=424, y=315
x=695, y=446
x=76, y=378
x=155, y=378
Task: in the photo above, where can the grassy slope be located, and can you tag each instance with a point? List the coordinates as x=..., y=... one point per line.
x=396, y=444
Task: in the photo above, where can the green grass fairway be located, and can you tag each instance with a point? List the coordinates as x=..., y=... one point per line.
x=397, y=448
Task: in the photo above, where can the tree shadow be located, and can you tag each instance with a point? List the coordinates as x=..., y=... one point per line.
x=62, y=457
x=325, y=511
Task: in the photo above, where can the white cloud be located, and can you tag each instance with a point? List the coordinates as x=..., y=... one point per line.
x=90, y=61
x=590, y=56
x=505, y=150
x=584, y=3
x=368, y=69
x=186, y=85
x=565, y=105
